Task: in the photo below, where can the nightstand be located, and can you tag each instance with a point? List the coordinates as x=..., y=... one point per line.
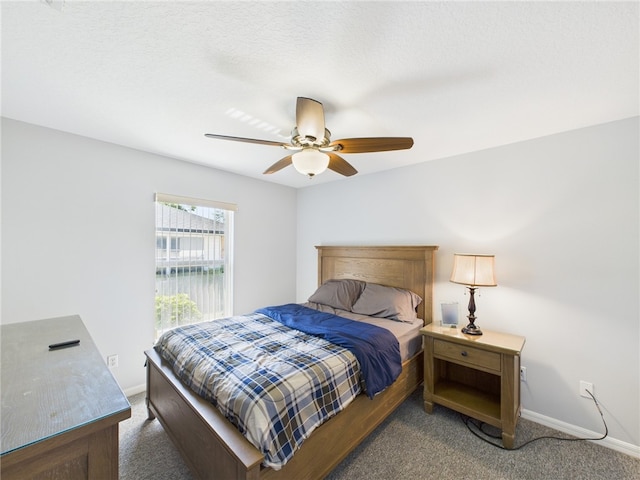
x=478, y=376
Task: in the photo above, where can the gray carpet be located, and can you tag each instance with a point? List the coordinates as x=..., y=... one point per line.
x=409, y=445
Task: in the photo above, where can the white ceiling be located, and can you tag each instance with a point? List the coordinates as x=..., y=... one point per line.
x=457, y=77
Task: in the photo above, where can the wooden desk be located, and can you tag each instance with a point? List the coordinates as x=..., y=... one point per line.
x=478, y=376
x=60, y=408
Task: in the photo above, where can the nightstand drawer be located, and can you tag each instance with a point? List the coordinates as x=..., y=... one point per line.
x=463, y=354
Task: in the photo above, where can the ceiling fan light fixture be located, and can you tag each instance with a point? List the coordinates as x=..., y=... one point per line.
x=310, y=162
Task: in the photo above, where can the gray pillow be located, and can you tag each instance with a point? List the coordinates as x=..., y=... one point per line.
x=387, y=302
x=341, y=294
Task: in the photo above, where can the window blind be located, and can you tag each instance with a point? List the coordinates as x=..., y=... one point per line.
x=193, y=260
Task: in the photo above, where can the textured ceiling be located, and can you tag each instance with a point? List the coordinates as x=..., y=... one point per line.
x=455, y=76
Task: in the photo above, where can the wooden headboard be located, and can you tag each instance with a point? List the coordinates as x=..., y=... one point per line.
x=409, y=267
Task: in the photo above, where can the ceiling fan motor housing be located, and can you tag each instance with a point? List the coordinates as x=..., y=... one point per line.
x=309, y=141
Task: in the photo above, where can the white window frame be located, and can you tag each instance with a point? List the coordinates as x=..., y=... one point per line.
x=184, y=257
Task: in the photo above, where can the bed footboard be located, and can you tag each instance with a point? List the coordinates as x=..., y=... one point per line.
x=209, y=444
x=213, y=448
x=332, y=441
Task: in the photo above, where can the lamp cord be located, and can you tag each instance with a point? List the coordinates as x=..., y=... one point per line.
x=479, y=426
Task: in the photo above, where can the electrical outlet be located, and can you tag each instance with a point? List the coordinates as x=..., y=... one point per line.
x=523, y=374
x=584, y=386
x=112, y=361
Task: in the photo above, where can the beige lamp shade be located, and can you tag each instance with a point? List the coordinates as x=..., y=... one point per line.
x=473, y=270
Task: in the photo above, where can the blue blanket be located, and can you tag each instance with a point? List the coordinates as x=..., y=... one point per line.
x=376, y=349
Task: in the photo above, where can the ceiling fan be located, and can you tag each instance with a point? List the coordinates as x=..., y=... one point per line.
x=313, y=150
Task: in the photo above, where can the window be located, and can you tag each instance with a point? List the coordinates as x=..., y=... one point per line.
x=193, y=260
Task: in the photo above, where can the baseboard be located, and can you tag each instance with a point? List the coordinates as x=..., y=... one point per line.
x=135, y=390
x=609, y=442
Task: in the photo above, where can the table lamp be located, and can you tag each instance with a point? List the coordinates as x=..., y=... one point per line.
x=473, y=271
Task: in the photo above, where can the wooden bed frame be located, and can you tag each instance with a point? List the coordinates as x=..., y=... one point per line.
x=213, y=448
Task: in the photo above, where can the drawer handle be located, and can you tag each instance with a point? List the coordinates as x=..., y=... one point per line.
x=463, y=353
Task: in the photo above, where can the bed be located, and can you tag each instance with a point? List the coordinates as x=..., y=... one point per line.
x=213, y=448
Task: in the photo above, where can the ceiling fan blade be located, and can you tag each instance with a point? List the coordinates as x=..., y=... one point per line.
x=279, y=165
x=310, y=118
x=376, y=144
x=245, y=140
x=340, y=165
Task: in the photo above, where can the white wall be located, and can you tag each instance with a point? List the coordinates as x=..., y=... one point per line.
x=78, y=236
x=561, y=214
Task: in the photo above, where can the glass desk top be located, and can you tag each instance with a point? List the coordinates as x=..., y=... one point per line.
x=49, y=392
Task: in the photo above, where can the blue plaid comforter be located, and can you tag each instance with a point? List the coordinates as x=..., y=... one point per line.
x=275, y=383
x=376, y=349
